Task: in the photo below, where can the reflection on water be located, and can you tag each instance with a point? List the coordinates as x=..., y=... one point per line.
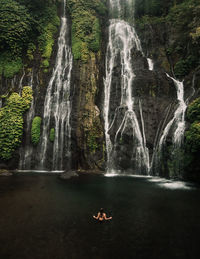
x=44, y=217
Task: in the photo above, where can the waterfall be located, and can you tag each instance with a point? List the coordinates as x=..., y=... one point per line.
x=122, y=41
x=57, y=104
x=178, y=119
x=21, y=82
x=177, y=124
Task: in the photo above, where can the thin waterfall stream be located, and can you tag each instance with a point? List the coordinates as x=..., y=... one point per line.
x=26, y=152
x=57, y=104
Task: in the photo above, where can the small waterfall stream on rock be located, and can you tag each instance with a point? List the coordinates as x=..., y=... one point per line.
x=26, y=152
x=57, y=104
x=121, y=42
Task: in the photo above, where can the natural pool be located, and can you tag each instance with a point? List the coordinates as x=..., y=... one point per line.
x=44, y=217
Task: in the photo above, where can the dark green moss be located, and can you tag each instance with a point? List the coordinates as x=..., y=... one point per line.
x=35, y=130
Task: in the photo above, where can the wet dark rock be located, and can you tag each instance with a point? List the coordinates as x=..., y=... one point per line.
x=4, y=172
x=68, y=175
x=90, y=172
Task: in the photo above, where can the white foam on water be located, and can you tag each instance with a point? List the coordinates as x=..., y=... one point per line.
x=121, y=174
x=40, y=171
x=171, y=184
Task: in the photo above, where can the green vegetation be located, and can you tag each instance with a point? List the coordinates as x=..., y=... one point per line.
x=193, y=111
x=9, y=65
x=15, y=26
x=86, y=33
x=26, y=26
x=35, y=130
x=11, y=121
x=192, y=143
x=48, y=26
x=52, y=135
x=15, y=29
x=193, y=137
x=91, y=141
x=193, y=134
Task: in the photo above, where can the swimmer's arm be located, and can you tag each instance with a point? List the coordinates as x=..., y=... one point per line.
x=97, y=216
x=106, y=217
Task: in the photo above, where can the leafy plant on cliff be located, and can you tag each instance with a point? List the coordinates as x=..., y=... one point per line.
x=193, y=111
x=52, y=135
x=193, y=133
x=11, y=121
x=35, y=130
x=192, y=136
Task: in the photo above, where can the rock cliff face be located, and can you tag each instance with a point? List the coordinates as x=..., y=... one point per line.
x=88, y=137
x=158, y=40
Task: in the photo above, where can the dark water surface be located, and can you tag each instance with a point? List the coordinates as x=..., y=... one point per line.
x=44, y=217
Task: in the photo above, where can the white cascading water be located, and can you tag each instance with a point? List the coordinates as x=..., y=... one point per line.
x=57, y=105
x=122, y=40
x=179, y=118
x=21, y=82
x=150, y=63
x=177, y=123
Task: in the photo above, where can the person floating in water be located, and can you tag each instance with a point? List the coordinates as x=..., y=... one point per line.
x=101, y=216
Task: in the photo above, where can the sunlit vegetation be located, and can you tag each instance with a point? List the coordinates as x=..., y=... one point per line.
x=11, y=122
x=86, y=33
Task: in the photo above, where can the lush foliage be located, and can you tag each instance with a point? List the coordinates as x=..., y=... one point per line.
x=26, y=26
x=15, y=30
x=35, y=130
x=48, y=26
x=11, y=122
x=52, y=135
x=193, y=112
x=9, y=65
x=15, y=26
x=85, y=27
x=193, y=137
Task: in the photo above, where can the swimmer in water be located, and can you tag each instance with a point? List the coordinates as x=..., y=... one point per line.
x=101, y=216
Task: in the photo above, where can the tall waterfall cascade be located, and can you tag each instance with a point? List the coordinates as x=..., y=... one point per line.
x=122, y=40
x=57, y=105
x=124, y=124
